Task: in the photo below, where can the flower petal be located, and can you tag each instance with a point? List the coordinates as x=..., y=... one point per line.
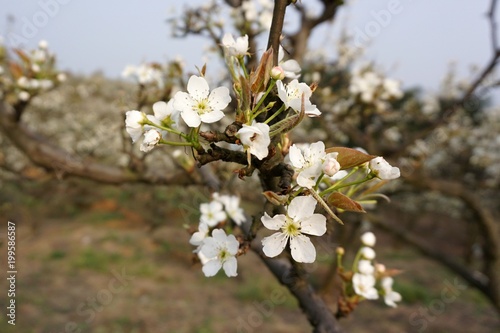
x=232, y=244
x=273, y=223
x=219, y=98
x=301, y=207
x=161, y=110
x=230, y=267
x=296, y=157
x=197, y=87
x=274, y=244
x=183, y=102
x=302, y=249
x=314, y=225
x=211, y=267
x=191, y=118
x=211, y=117
x=210, y=248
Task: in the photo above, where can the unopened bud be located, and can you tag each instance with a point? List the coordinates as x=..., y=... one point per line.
x=331, y=166
x=340, y=251
x=277, y=73
x=380, y=268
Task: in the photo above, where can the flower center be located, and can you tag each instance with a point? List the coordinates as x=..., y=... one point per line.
x=202, y=106
x=224, y=254
x=291, y=228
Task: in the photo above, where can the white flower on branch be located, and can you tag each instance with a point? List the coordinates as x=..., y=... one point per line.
x=212, y=213
x=134, y=123
x=390, y=296
x=291, y=67
x=366, y=267
x=235, y=48
x=231, y=207
x=221, y=250
x=255, y=139
x=151, y=139
x=291, y=94
x=165, y=113
x=364, y=285
x=310, y=161
x=199, y=104
x=144, y=74
x=199, y=236
x=298, y=221
x=383, y=170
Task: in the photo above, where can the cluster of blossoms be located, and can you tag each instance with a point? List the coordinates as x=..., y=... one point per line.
x=367, y=279
x=32, y=74
x=370, y=86
x=145, y=74
x=219, y=250
x=271, y=101
x=260, y=13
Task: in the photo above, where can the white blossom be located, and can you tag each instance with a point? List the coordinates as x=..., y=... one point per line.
x=134, y=123
x=221, y=250
x=199, y=104
x=298, y=221
x=366, y=267
x=144, y=74
x=199, y=236
x=364, y=285
x=392, y=89
x=231, y=207
x=390, y=296
x=255, y=139
x=212, y=213
x=235, y=48
x=290, y=67
x=366, y=85
x=309, y=161
x=165, y=113
x=291, y=94
x=383, y=170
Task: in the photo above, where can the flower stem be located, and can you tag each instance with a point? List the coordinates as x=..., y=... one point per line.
x=275, y=114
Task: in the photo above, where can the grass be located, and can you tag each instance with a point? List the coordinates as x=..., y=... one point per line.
x=97, y=261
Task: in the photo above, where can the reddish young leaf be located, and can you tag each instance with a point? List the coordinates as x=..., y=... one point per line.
x=24, y=57
x=349, y=157
x=15, y=70
x=341, y=201
x=261, y=76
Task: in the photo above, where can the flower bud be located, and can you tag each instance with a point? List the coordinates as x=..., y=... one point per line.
x=368, y=239
x=331, y=166
x=368, y=253
x=340, y=251
x=277, y=73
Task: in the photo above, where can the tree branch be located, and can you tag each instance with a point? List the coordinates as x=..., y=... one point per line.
x=490, y=231
x=44, y=154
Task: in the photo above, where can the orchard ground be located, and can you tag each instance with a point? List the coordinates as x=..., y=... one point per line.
x=117, y=259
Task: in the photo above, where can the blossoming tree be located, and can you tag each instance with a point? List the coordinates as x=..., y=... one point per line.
x=250, y=123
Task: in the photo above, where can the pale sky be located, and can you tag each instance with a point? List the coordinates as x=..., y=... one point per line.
x=415, y=44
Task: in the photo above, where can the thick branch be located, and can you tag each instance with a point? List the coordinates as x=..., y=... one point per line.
x=318, y=314
x=44, y=154
x=277, y=27
x=489, y=229
x=299, y=40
